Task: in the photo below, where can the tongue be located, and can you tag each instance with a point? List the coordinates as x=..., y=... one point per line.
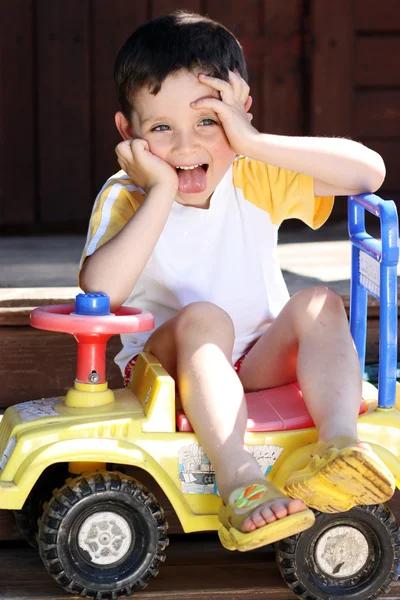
x=192, y=181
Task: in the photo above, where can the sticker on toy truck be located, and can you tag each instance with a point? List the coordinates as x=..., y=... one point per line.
x=369, y=274
x=197, y=474
x=37, y=409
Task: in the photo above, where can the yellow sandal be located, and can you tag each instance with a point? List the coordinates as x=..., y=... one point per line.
x=340, y=475
x=242, y=501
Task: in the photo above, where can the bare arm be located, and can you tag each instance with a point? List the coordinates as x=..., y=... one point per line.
x=117, y=265
x=339, y=166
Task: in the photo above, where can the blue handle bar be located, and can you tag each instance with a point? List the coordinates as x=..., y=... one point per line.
x=374, y=271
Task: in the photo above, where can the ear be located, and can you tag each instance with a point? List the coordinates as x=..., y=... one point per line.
x=248, y=103
x=123, y=126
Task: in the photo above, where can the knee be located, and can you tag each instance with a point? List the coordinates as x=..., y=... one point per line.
x=204, y=316
x=320, y=300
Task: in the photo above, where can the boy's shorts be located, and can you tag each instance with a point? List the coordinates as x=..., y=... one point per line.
x=131, y=365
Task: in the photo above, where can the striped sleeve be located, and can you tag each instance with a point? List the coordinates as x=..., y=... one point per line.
x=114, y=206
x=282, y=193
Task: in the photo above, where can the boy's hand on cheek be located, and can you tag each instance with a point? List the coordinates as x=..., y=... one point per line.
x=144, y=168
x=231, y=109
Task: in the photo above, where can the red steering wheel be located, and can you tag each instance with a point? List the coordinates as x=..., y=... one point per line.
x=91, y=323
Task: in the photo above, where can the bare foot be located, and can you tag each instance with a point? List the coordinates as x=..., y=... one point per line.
x=270, y=511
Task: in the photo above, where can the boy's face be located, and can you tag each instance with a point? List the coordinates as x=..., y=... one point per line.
x=183, y=136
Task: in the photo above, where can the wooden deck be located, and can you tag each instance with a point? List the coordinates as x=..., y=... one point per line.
x=195, y=568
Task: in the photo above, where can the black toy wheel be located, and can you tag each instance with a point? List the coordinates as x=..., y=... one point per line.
x=352, y=555
x=102, y=535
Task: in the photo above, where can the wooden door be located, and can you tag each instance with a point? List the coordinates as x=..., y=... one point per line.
x=355, y=78
x=58, y=101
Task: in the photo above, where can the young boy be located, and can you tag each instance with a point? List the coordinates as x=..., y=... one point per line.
x=188, y=230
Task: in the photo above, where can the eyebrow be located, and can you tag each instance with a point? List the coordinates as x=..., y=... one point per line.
x=150, y=119
x=166, y=119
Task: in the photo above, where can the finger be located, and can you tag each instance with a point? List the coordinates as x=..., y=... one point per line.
x=218, y=106
x=139, y=145
x=122, y=164
x=236, y=84
x=124, y=149
x=241, y=87
x=139, y=148
x=248, y=104
x=223, y=87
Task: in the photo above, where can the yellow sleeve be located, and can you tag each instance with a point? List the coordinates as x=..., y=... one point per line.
x=114, y=206
x=282, y=193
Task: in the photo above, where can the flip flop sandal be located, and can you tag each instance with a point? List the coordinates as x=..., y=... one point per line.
x=341, y=475
x=242, y=502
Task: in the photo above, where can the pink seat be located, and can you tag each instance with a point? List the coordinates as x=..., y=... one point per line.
x=276, y=409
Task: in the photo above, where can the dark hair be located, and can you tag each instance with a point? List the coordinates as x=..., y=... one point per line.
x=182, y=40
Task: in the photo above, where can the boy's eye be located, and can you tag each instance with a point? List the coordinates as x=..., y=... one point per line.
x=160, y=128
x=208, y=122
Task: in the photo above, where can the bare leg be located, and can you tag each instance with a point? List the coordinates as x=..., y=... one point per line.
x=196, y=347
x=310, y=342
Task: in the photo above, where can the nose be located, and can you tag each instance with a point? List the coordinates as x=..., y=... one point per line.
x=185, y=143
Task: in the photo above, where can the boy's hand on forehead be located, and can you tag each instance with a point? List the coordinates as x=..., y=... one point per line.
x=232, y=109
x=144, y=168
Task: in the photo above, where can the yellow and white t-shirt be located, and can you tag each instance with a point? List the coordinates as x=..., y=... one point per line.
x=225, y=254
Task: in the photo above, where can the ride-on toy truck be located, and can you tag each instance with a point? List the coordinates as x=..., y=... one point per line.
x=102, y=534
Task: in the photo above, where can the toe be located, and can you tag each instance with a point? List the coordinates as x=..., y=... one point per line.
x=279, y=509
x=296, y=506
x=257, y=520
x=261, y=518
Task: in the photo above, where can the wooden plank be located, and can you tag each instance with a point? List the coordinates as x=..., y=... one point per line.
x=17, y=151
x=377, y=61
x=243, y=19
x=282, y=82
x=63, y=103
x=165, y=7
x=269, y=32
x=113, y=23
x=8, y=528
x=16, y=304
x=377, y=114
x=390, y=151
x=37, y=364
x=332, y=68
x=195, y=568
x=370, y=15
x=184, y=576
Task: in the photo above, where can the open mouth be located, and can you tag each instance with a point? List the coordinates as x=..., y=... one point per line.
x=204, y=166
x=192, y=178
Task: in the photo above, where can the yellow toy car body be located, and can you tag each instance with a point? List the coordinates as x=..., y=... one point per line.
x=139, y=429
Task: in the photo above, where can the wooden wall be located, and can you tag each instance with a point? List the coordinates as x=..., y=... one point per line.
x=355, y=83
x=316, y=67
x=58, y=100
